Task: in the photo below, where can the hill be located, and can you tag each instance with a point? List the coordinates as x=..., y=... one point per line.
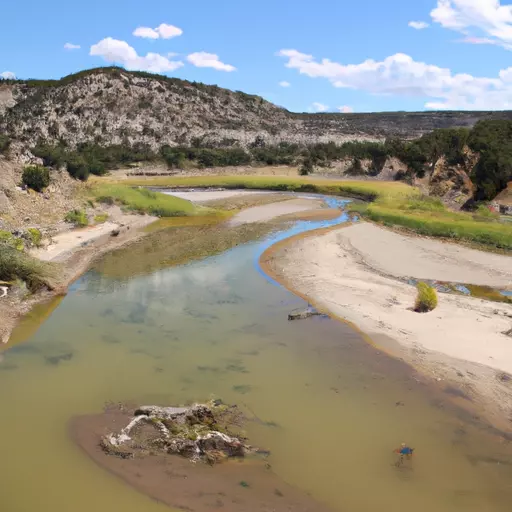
x=110, y=106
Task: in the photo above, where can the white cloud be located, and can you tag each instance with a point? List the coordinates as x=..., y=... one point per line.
x=487, y=17
x=345, y=109
x=318, y=107
x=284, y=83
x=418, y=25
x=208, y=60
x=120, y=52
x=163, y=31
x=8, y=75
x=71, y=46
x=402, y=76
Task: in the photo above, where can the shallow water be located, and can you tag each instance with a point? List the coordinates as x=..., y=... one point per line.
x=331, y=407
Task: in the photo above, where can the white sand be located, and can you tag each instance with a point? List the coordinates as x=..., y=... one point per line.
x=342, y=272
x=64, y=244
x=203, y=196
x=270, y=211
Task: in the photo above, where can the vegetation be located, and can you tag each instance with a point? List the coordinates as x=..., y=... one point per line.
x=89, y=158
x=142, y=200
x=8, y=239
x=36, y=177
x=16, y=265
x=35, y=236
x=77, y=217
x=426, y=300
x=100, y=218
x=369, y=190
x=429, y=217
x=5, y=142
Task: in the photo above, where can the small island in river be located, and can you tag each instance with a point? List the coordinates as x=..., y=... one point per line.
x=190, y=458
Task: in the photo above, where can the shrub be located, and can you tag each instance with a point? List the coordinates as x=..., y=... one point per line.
x=18, y=265
x=5, y=142
x=36, y=177
x=7, y=238
x=35, y=236
x=77, y=217
x=426, y=300
x=306, y=167
x=101, y=218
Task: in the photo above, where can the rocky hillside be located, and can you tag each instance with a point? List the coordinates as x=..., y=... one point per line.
x=112, y=106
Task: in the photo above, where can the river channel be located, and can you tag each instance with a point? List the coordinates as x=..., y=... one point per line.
x=332, y=408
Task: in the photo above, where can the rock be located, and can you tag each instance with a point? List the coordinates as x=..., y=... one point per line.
x=115, y=232
x=508, y=333
x=304, y=314
x=199, y=432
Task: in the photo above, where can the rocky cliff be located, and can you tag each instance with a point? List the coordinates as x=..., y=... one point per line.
x=113, y=106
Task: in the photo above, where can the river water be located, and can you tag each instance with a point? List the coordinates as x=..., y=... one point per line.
x=332, y=408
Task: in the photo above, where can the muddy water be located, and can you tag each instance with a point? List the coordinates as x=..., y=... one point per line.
x=331, y=408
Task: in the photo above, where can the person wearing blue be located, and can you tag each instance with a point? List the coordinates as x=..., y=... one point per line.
x=404, y=452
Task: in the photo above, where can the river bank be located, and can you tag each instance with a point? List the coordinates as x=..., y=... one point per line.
x=73, y=252
x=357, y=274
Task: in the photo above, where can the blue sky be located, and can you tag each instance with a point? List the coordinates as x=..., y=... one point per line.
x=334, y=54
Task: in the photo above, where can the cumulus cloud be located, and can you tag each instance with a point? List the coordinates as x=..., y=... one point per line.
x=8, y=75
x=345, y=109
x=418, y=25
x=284, y=83
x=400, y=75
x=120, y=52
x=487, y=17
x=209, y=60
x=71, y=46
x=163, y=31
x=318, y=107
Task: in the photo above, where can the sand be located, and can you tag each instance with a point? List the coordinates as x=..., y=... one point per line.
x=203, y=196
x=352, y=273
x=64, y=244
x=270, y=211
x=233, y=486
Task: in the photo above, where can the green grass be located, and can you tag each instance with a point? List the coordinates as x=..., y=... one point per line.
x=392, y=204
x=142, y=200
x=16, y=265
x=439, y=223
x=100, y=218
x=77, y=217
x=369, y=190
x=426, y=299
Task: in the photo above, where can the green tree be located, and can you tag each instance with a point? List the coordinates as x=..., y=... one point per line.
x=36, y=177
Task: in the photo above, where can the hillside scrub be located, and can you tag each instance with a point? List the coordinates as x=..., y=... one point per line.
x=426, y=300
x=142, y=200
x=77, y=217
x=36, y=177
x=16, y=265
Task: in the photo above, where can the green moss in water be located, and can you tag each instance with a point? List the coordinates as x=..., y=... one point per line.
x=488, y=293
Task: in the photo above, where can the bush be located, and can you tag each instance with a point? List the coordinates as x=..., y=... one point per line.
x=77, y=217
x=18, y=265
x=5, y=142
x=306, y=167
x=35, y=236
x=36, y=177
x=426, y=300
x=100, y=218
x=7, y=238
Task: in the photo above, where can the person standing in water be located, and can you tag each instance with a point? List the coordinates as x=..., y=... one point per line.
x=404, y=452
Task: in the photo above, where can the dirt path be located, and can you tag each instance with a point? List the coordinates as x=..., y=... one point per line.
x=352, y=273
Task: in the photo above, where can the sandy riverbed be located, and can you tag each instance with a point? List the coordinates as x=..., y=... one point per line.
x=352, y=272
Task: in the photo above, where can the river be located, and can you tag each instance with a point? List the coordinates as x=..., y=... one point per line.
x=332, y=408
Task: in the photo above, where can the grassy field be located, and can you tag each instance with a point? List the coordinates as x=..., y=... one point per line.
x=369, y=190
x=392, y=204
x=142, y=200
x=430, y=217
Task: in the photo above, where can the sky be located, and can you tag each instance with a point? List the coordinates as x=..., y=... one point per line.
x=304, y=55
